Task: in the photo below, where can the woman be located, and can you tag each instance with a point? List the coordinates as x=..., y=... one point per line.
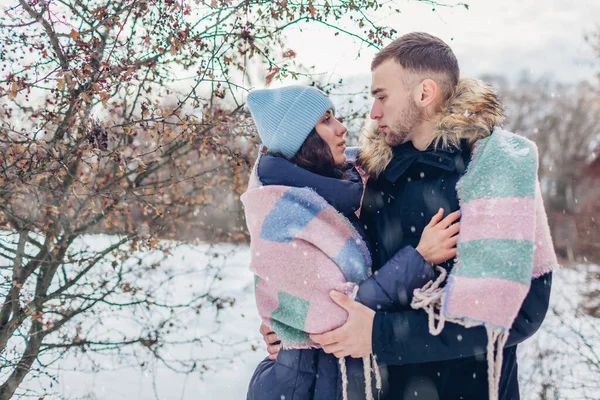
x=306, y=240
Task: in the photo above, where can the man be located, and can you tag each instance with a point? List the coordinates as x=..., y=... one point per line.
x=428, y=122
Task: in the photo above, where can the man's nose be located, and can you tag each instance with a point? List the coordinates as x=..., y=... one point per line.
x=375, y=112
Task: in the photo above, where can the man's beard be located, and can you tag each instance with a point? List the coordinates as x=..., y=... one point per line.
x=404, y=125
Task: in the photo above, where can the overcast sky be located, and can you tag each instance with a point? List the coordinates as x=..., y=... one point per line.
x=545, y=37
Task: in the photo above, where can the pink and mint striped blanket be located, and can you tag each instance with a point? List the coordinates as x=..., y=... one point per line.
x=301, y=248
x=504, y=242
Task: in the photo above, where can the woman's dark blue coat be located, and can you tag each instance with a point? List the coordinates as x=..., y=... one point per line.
x=311, y=374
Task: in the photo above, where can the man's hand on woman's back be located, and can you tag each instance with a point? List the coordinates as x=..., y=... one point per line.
x=272, y=341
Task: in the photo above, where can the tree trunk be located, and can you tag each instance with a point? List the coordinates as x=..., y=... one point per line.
x=36, y=334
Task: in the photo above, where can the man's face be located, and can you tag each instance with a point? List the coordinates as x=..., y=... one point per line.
x=394, y=106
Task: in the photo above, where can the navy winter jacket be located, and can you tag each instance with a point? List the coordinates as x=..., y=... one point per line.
x=452, y=366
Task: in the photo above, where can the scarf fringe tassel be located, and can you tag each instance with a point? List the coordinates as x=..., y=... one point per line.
x=429, y=299
x=369, y=366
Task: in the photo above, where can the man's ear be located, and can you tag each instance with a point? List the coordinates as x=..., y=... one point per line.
x=426, y=93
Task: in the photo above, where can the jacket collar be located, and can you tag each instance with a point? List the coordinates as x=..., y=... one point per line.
x=470, y=114
x=405, y=155
x=344, y=194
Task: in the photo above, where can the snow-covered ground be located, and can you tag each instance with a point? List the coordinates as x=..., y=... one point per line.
x=228, y=353
x=563, y=358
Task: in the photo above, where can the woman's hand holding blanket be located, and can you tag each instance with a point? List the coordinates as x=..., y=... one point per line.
x=438, y=242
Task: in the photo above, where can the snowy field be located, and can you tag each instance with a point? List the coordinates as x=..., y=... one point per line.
x=563, y=359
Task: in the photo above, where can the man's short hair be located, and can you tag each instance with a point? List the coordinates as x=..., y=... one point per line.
x=426, y=55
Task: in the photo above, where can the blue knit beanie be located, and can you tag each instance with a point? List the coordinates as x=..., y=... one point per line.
x=285, y=117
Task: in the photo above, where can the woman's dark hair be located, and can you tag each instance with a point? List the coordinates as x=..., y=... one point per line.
x=315, y=156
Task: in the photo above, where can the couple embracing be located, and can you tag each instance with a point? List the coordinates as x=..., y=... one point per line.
x=410, y=267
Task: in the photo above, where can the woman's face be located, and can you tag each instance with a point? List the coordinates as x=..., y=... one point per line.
x=333, y=132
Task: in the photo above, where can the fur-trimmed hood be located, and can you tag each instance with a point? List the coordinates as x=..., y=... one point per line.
x=470, y=114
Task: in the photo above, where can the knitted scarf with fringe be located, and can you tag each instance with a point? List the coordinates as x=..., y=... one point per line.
x=504, y=242
x=301, y=249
